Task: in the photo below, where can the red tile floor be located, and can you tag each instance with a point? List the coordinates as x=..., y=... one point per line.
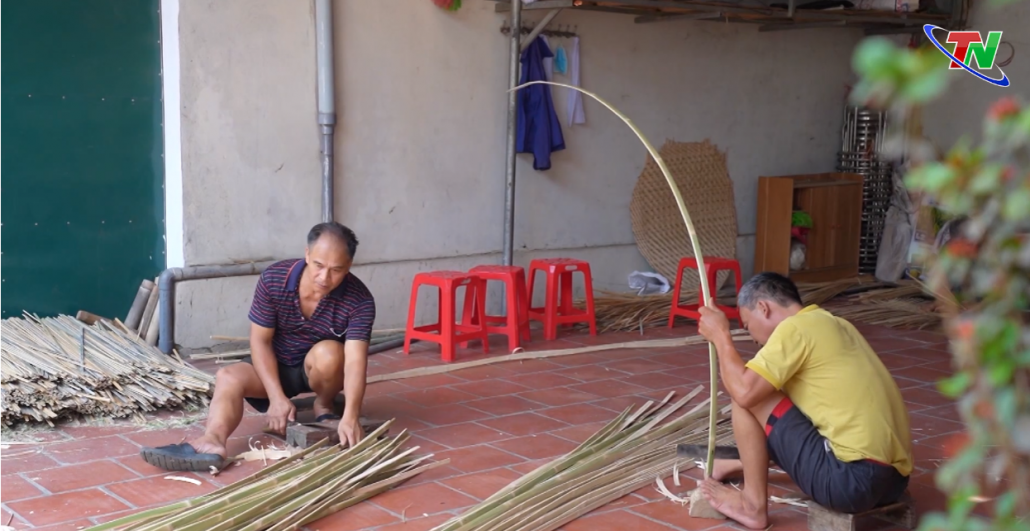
x=494, y=422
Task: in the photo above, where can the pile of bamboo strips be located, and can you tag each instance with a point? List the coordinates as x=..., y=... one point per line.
x=291, y=493
x=60, y=367
x=629, y=453
x=905, y=313
x=871, y=302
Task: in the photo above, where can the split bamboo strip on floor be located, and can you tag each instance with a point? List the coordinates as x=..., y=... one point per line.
x=61, y=367
x=296, y=491
x=737, y=335
x=627, y=454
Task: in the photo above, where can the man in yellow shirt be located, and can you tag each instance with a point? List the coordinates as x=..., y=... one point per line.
x=816, y=400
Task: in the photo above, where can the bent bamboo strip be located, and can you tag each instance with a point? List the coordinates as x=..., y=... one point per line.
x=702, y=268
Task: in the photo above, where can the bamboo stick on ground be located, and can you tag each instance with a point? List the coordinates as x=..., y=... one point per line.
x=626, y=454
x=294, y=492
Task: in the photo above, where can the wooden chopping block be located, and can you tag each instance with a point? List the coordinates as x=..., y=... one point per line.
x=304, y=435
x=900, y=514
x=700, y=508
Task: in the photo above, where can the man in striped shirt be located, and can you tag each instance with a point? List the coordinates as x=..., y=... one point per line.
x=311, y=322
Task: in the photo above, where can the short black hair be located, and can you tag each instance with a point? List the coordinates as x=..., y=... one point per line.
x=771, y=286
x=336, y=230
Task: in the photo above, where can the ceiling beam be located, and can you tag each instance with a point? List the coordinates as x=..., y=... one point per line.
x=645, y=19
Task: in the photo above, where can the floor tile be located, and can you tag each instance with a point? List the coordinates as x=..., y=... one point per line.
x=154, y=438
x=536, y=446
x=620, y=520
x=451, y=414
x=431, y=380
x=66, y=507
x=92, y=449
x=158, y=490
x=523, y=424
x=431, y=498
x=360, y=516
x=591, y=373
x=579, y=413
x=636, y=366
x=559, y=396
x=74, y=525
x=74, y=477
x=436, y=396
x=459, y=435
x=482, y=485
x=541, y=381
x=419, y=523
x=490, y=388
x=18, y=461
x=610, y=388
x=579, y=433
x=656, y=380
x=481, y=457
x=14, y=488
x=673, y=514
x=88, y=432
x=505, y=405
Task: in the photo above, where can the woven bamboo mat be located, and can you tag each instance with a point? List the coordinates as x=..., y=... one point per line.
x=699, y=170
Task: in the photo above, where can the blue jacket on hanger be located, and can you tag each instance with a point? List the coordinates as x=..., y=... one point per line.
x=537, y=130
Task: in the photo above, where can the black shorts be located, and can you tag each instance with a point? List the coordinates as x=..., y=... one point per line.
x=293, y=379
x=805, y=455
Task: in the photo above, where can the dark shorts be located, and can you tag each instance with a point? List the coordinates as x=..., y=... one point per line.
x=796, y=446
x=293, y=379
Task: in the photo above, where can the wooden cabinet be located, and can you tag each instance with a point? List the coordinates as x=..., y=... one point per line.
x=834, y=200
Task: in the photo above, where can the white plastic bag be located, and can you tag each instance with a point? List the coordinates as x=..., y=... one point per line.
x=899, y=227
x=647, y=283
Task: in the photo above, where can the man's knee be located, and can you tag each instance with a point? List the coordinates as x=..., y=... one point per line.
x=325, y=359
x=232, y=378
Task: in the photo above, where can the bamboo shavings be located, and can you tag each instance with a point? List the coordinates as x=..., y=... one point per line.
x=60, y=367
x=296, y=491
x=623, y=456
x=185, y=480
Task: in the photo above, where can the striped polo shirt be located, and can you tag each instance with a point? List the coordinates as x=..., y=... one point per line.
x=346, y=313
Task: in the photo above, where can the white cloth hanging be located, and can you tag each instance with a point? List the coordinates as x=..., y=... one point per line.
x=575, y=99
x=548, y=61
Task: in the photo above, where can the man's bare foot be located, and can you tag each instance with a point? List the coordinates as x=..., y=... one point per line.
x=724, y=469
x=207, y=445
x=732, y=503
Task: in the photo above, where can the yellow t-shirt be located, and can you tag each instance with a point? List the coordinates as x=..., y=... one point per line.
x=833, y=376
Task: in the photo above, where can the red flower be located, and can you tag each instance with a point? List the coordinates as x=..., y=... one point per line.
x=955, y=444
x=961, y=248
x=1003, y=108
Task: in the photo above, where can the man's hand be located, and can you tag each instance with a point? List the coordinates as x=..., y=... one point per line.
x=281, y=411
x=713, y=324
x=350, y=431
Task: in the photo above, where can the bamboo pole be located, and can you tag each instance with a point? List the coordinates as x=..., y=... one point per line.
x=702, y=268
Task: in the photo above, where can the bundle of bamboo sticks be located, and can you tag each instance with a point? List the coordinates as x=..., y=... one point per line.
x=907, y=313
x=629, y=453
x=298, y=490
x=59, y=367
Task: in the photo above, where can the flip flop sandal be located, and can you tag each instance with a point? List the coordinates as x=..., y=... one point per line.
x=181, y=458
x=327, y=416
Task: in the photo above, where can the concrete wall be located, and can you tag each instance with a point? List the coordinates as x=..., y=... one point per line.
x=961, y=110
x=421, y=137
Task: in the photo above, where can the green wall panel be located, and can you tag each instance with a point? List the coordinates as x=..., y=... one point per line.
x=82, y=168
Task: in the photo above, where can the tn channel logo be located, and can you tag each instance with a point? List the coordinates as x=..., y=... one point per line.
x=972, y=52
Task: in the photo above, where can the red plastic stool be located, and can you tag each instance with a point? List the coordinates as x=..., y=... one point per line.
x=559, y=310
x=712, y=266
x=515, y=322
x=446, y=331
